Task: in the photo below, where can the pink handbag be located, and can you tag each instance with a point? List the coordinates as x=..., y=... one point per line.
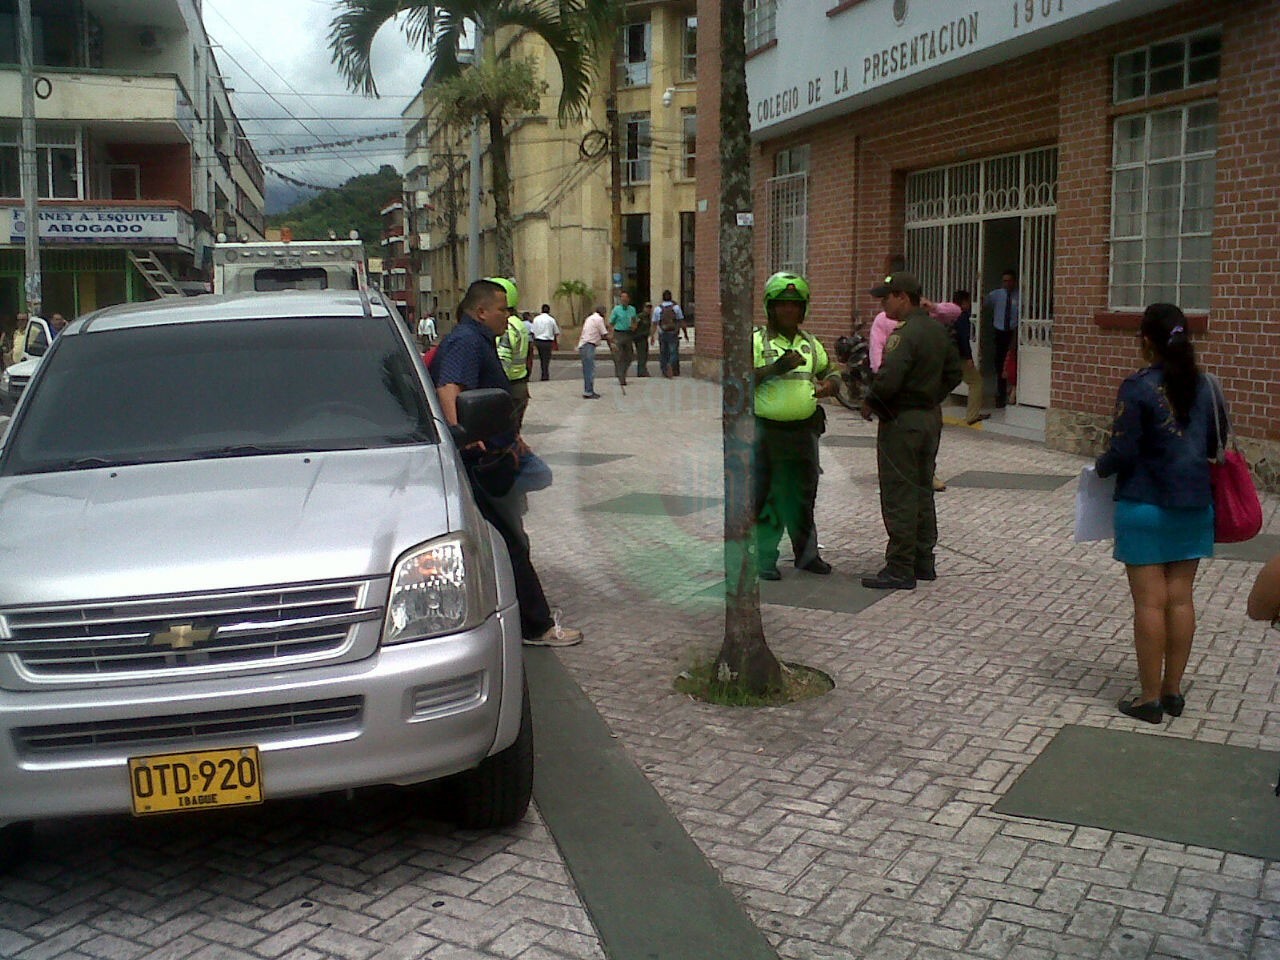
x=1237, y=512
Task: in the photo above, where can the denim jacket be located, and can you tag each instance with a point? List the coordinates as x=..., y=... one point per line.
x=1155, y=458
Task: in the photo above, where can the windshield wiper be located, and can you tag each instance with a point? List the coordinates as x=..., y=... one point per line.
x=247, y=450
x=81, y=463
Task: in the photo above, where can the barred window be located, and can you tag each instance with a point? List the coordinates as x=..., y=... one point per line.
x=787, y=196
x=761, y=16
x=1162, y=207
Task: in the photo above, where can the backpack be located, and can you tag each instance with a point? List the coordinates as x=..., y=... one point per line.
x=667, y=318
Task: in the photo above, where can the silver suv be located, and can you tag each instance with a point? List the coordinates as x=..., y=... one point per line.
x=240, y=560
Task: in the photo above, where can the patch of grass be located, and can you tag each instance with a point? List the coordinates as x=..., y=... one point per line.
x=798, y=683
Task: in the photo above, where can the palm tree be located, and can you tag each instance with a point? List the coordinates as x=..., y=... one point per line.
x=438, y=27
x=745, y=657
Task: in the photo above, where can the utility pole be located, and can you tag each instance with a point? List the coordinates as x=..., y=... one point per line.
x=473, y=211
x=29, y=183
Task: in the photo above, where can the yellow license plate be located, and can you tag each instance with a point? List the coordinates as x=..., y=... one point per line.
x=175, y=782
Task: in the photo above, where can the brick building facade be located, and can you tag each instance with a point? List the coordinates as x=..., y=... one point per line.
x=1115, y=160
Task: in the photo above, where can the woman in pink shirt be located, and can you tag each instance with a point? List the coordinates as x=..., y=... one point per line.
x=882, y=326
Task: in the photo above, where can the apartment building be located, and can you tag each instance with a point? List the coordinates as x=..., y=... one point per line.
x=1114, y=152
x=562, y=183
x=397, y=280
x=142, y=161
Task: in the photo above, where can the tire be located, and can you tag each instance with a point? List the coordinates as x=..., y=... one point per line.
x=15, y=845
x=497, y=793
x=848, y=393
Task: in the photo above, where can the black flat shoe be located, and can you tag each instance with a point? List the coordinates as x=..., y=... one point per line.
x=770, y=573
x=883, y=581
x=1173, y=704
x=926, y=573
x=1149, y=712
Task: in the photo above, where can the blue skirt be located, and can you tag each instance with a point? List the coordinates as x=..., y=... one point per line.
x=1147, y=534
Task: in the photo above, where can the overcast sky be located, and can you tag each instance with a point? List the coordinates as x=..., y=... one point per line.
x=275, y=55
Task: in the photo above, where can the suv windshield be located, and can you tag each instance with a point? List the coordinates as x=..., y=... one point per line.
x=219, y=389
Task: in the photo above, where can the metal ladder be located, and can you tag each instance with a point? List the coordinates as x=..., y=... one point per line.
x=153, y=271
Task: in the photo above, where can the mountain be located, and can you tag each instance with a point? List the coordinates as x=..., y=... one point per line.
x=282, y=197
x=352, y=206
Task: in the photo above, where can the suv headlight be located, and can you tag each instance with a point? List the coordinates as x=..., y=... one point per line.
x=445, y=586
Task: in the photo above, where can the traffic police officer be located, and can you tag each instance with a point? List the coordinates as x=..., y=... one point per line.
x=513, y=350
x=791, y=372
x=920, y=368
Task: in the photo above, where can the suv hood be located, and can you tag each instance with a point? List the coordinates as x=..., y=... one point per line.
x=168, y=528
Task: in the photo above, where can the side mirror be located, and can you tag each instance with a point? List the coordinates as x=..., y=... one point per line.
x=483, y=414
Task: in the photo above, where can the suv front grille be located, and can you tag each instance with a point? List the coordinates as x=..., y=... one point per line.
x=186, y=634
x=155, y=733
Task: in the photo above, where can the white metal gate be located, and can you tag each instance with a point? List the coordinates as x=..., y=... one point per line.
x=946, y=210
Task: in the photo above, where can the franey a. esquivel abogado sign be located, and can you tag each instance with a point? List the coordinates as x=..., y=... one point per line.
x=101, y=225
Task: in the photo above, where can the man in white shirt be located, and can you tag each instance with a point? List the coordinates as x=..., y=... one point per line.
x=594, y=333
x=545, y=333
x=426, y=330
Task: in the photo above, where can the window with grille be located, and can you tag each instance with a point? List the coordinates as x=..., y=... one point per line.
x=761, y=16
x=1162, y=207
x=689, y=53
x=689, y=140
x=1177, y=64
x=633, y=59
x=637, y=142
x=787, y=195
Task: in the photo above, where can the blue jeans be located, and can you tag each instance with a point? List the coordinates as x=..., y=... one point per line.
x=669, y=352
x=588, y=354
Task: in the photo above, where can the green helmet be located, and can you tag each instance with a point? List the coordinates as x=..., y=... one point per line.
x=513, y=294
x=786, y=286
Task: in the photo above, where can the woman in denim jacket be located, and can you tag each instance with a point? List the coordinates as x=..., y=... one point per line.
x=1161, y=444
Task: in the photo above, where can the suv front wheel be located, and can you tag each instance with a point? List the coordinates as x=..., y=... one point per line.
x=496, y=793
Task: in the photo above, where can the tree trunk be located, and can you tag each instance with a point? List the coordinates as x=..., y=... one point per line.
x=744, y=656
x=499, y=163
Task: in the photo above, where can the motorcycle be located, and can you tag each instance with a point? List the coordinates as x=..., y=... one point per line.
x=853, y=352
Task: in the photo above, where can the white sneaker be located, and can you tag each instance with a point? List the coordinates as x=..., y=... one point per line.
x=556, y=636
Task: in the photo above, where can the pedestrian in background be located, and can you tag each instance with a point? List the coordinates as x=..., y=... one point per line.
x=546, y=332
x=427, y=331
x=594, y=333
x=791, y=371
x=623, y=320
x=1161, y=443
x=961, y=330
x=640, y=338
x=514, y=349
x=669, y=321
x=919, y=369
x=1003, y=305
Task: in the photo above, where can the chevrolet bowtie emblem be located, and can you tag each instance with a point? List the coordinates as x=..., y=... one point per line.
x=181, y=636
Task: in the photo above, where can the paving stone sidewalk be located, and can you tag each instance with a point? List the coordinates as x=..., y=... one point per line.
x=855, y=825
x=860, y=824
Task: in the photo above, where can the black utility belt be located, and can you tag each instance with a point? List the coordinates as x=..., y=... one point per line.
x=816, y=421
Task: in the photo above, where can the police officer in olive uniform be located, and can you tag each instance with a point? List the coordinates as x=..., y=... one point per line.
x=920, y=368
x=513, y=350
x=791, y=372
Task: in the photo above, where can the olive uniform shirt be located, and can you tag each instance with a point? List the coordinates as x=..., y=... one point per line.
x=920, y=368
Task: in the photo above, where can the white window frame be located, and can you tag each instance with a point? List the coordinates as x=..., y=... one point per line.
x=637, y=140
x=48, y=139
x=689, y=50
x=1132, y=224
x=1195, y=68
x=635, y=67
x=761, y=22
x=688, y=142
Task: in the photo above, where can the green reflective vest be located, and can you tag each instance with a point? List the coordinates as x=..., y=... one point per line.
x=789, y=397
x=513, y=349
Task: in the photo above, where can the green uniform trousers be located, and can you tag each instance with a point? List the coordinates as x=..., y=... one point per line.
x=906, y=454
x=786, y=465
